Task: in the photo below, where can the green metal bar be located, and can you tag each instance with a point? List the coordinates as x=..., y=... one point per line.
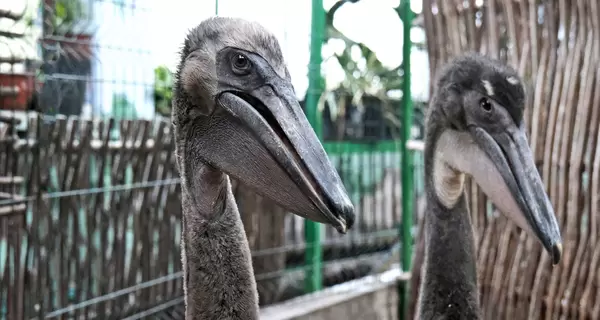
x=407, y=160
x=312, y=230
x=216, y=7
x=334, y=148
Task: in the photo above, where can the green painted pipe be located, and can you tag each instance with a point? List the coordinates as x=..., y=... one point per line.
x=312, y=230
x=407, y=160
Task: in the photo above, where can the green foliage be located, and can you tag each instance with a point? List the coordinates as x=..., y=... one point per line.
x=163, y=90
x=67, y=13
x=365, y=74
x=370, y=77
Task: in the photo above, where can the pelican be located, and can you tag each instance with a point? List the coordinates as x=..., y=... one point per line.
x=235, y=115
x=475, y=127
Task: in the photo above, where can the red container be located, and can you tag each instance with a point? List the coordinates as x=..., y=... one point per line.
x=16, y=90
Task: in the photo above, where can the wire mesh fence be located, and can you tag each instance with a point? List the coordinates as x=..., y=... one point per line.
x=98, y=230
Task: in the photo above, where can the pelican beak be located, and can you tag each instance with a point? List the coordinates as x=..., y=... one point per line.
x=515, y=186
x=261, y=137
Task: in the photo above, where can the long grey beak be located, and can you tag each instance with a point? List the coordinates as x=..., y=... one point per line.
x=278, y=154
x=510, y=153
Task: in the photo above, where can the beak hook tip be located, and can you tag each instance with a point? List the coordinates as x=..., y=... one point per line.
x=342, y=228
x=556, y=253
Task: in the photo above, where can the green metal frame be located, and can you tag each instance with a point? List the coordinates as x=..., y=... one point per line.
x=349, y=147
x=312, y=230
x=313, y=256
x=407, y=160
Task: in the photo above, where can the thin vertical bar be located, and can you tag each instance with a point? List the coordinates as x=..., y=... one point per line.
x=312, y=230
x=407, y=162
x=216, y=7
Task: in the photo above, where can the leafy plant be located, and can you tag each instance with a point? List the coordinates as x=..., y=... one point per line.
x=63, y=15
x=67, y=12
x=163, y=90
x=365, y=76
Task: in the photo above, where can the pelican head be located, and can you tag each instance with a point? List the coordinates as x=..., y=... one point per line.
x=475, y=127
x=237, y=112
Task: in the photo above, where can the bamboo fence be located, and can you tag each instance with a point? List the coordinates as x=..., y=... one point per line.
x=555, y=46
x=92, y=224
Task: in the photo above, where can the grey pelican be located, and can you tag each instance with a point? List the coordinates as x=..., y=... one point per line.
x=475, y=127
x=235, y=114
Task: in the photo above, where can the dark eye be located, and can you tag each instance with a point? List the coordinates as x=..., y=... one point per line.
x=485, y=104
x=241, y=63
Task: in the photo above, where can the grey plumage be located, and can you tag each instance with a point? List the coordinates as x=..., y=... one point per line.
x=235, y=114
x=475, y=127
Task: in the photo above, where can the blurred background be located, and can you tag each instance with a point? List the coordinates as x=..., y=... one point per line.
x=90, y=218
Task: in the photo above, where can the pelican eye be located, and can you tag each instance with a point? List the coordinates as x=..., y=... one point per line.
x=485, y=104
x=241, y=63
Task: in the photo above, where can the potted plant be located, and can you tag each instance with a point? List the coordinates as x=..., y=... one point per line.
x=17, y=86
